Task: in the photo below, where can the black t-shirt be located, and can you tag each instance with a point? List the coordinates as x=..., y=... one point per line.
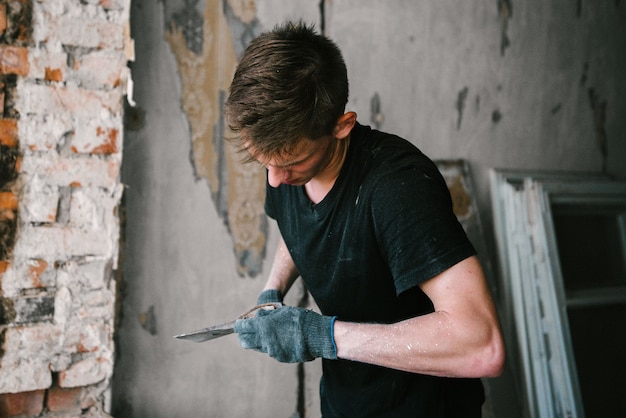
x=385, y=227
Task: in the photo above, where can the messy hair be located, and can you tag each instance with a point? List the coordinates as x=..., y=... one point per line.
x=291, y=83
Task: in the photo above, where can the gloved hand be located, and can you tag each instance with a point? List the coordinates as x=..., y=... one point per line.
x=289, y=334
x=269, y=296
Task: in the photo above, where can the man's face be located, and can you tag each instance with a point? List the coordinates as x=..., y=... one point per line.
x=296, y=168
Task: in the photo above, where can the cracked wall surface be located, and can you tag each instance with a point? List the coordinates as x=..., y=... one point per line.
x=207, y=44
x=436, y=72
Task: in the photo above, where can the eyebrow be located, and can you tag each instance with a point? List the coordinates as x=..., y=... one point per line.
x=292, y=163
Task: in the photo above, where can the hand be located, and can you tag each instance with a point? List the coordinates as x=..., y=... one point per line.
x=269, y=296
x=289, y=334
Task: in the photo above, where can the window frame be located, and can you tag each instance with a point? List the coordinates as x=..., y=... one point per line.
x=533, y=288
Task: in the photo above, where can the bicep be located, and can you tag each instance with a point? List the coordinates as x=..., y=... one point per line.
x=461, y=294
x=462, y=291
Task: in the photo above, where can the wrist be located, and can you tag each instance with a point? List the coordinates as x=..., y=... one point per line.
x=323, y=342
x=332, y=336
x=269, y=296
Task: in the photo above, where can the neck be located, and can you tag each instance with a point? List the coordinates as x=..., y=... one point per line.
x=320, y=185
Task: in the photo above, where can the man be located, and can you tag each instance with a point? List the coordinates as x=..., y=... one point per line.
x=408, y=324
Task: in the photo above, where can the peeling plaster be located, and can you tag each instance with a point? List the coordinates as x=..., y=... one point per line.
x=190, y=22
x=238, y=190
x=461, y=200
x=457, y=176
x=376, y=116
x=148, y=321
x=460, y=106
x=241, y=18
x=505, y=11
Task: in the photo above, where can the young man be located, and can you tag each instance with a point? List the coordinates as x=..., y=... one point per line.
x=408, y=325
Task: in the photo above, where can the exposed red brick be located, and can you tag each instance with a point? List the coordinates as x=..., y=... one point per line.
x=21, y=404
x=64, y=400
x=8, y=132
x=24, y=34
x=8, y=206
x=53, y=74
x=110, y=4
x=82, y=103
x=109, y=145
x=113, y=169
x=18, y=163
x=13, y=60
x=3, y=18
x=8, y=200
x=4, y=266
x=35, y=271
x=7, y=215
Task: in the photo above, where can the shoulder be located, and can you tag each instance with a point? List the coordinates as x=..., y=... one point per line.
x=389, y=163
x=381, y=143
x=389, y=153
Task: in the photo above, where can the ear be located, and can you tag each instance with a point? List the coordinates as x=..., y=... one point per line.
x=344, y=125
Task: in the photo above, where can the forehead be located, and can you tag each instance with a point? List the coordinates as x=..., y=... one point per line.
x=300, y=151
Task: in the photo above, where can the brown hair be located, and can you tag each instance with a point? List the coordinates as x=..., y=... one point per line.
x=291, y=83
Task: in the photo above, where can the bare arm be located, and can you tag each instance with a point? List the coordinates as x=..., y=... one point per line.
x=462, y=338
x=283, y=272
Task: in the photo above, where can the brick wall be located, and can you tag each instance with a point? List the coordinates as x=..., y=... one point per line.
x=63, y=78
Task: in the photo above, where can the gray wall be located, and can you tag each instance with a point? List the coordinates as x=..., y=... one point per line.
x=504, y=84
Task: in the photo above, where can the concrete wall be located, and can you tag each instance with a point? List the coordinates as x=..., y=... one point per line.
x=182, y=268
x=506, y=84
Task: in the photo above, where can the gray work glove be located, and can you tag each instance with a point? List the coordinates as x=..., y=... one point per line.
x=289, y=334
x=269, y=296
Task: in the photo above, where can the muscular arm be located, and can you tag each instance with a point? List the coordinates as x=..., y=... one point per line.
x=461, y=338
x=283, y=271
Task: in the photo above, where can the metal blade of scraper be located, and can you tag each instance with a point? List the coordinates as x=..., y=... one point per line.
x=209, y=333
x=216, y=331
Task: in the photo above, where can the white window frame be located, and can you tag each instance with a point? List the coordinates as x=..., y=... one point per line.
x=533, y=290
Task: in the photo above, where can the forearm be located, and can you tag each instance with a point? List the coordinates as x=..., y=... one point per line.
x=461, y=338
x=433, y=344
x=283, y=272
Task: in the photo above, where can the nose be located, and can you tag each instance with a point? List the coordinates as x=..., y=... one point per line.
x=275, y=176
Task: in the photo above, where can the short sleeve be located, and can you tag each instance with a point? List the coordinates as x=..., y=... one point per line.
x=417, y=231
